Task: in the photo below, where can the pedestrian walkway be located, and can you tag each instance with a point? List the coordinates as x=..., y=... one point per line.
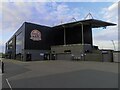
x=0, y=67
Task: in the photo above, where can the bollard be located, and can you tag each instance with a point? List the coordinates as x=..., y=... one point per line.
x=2, y=67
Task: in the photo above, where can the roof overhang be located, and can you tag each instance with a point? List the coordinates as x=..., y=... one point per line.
x=94, y=23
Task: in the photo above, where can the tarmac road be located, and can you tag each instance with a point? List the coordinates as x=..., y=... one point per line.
x=76, y=79
x=60, y=74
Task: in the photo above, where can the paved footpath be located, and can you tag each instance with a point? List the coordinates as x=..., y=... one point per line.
x=60, y=74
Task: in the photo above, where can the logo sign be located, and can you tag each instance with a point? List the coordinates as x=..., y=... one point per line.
x=35, y=35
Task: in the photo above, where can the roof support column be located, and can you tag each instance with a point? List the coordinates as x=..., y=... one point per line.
x=64, y=34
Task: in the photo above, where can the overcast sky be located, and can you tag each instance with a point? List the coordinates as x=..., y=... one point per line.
x=14, y=14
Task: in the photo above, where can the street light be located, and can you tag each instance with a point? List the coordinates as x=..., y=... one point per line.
x=113, y=45
x=82, y=36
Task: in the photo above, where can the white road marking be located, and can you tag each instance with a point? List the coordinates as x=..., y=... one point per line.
x=9, y=84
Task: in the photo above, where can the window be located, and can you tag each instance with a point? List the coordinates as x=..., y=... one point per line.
x=10, y=46
x=19, y=43
x=10, y=42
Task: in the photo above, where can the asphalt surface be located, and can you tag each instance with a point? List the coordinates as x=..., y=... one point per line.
x=60, y=74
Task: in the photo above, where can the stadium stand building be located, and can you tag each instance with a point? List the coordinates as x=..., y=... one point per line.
x=69, y=41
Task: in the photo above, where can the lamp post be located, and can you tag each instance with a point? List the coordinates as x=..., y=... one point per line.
x=82, y=37
x=113, y=45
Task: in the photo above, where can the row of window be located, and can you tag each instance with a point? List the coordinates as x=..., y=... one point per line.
x=19, y=42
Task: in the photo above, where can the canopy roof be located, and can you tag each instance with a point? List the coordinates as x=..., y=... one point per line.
x=93, y=22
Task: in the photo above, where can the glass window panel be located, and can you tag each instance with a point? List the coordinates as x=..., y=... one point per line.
x=19, y=46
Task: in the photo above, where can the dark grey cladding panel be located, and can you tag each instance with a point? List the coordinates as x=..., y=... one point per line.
x=46, y=39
